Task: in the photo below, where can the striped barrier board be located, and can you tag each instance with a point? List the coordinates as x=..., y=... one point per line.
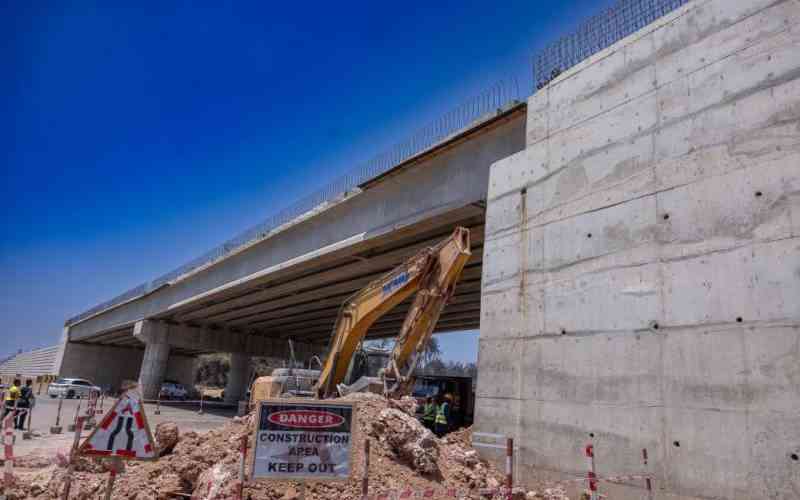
x=8, y=448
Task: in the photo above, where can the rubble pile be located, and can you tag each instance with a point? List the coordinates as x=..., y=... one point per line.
x=405, y=457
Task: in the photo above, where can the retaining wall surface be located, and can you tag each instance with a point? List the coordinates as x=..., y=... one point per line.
x=642, y=264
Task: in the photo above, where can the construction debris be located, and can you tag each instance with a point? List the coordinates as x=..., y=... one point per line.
x=405, y=456
x=167, y=436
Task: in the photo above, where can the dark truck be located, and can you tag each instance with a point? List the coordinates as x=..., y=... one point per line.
x=460, y=388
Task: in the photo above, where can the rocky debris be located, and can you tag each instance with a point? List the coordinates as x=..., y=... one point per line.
x=407, y=404
x=405, y=457
x=167, y=436
x=33, y=462
x=412, y=442
x=220, y=481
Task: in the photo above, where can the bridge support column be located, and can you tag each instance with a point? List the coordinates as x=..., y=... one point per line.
x=156, y=356
x=237, y=377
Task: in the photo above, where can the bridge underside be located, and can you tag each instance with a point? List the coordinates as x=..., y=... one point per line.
x=304, y=304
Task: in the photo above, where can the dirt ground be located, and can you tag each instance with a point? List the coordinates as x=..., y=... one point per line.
x=406, y=461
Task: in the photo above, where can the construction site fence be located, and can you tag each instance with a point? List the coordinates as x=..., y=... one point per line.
x=597, y=33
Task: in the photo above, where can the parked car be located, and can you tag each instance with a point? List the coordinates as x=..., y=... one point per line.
x=71, y=388
x=173, y=390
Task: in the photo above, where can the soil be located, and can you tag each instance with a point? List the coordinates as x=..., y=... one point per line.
x=405, y=458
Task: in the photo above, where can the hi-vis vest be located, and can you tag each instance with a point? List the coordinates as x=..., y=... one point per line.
x=428, y=412
x=441, y=417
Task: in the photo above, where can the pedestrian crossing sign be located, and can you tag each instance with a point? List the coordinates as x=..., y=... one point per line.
x=123, y=432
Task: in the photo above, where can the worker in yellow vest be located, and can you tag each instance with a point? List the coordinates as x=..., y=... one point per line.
x=429, y=414
x=11, y=398
x=442, y=421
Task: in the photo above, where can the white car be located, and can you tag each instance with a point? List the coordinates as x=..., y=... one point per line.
x=71, y=388
x=173, y=390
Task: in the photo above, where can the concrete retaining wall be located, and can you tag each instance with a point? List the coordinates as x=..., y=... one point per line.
x=642, y=265
x=31, y=363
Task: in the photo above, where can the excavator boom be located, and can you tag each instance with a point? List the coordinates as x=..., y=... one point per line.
x=432, y=274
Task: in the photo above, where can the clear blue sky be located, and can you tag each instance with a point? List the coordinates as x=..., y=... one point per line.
x=136, y=138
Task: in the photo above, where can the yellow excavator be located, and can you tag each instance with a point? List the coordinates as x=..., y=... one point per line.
x=432, y=274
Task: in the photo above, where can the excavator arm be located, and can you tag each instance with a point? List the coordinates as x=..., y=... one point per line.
x=432, y=274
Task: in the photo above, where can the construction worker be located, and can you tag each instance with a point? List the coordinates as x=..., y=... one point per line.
x=26, y=402
x=12, y=396
x=429, y=414
x=442, y=420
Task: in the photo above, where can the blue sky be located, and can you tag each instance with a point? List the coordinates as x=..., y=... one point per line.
x=138, y=137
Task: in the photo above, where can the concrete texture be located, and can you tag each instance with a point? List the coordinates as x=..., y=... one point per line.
x=105, y=366
x=237, y=377
x=154, y=335
x=642, y=261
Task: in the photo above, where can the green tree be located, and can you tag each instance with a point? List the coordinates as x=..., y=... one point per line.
x=432, y=351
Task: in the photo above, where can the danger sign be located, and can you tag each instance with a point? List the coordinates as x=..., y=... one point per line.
x=303, y=440
x=123, y=432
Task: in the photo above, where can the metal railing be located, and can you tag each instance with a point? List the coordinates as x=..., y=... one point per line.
x=489, y=103
x=597, y=33
x=593, y=35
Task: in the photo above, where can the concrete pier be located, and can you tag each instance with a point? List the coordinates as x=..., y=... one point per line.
x=237, y=377
x=156, y=356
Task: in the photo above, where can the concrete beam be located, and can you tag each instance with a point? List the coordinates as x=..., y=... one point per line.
x=193, y=338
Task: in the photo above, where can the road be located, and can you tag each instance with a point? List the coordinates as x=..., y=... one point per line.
x=44, y=416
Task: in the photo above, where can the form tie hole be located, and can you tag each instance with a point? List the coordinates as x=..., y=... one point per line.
x=589, y=235
x=591, y=435
x=739, y=319
x=666, y=216
x=759, y=194
x=563, y=332
x=676, y=444
x=794, y=457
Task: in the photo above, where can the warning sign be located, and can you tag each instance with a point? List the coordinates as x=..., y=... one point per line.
x=123, y=432
x=303, y=440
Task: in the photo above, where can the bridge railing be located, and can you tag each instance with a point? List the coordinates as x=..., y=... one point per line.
x=597, y=33
x=496, y=98
x=593, y=35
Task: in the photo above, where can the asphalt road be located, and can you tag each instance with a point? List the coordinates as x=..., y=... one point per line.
x=46, y=409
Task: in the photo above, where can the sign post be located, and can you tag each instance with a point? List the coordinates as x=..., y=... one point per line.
x=303, y=440
x=56, y=429
x=122, y=434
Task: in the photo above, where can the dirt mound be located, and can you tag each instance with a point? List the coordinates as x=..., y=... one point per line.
x=167, y=437
x=405, y=457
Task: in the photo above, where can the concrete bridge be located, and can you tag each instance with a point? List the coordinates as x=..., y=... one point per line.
x=291, y=283
x=636, y=270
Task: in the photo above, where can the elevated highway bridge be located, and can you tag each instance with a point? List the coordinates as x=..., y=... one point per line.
x=291, y=283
